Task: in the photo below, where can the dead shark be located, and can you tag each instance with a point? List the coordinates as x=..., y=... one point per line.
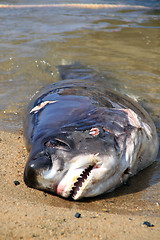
x=85, y=140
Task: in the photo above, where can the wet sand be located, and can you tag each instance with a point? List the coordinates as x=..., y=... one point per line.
x=31, y=214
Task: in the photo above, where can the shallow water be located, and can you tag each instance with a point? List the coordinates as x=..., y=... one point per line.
x=120, y=48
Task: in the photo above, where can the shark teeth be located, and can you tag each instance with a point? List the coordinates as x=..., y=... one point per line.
x=80, y=182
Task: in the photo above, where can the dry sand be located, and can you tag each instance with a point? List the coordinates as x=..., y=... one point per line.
x=31, y=214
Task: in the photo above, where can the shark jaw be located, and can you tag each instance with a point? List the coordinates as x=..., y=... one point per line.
x=79, y=176
x=74, y=184
x=90, y=179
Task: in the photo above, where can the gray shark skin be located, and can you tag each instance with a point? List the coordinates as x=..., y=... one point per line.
x=85, y=140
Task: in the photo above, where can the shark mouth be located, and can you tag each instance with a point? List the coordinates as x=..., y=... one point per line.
x=79, y=182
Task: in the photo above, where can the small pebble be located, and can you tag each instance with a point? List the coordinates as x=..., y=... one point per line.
x=105, y=210
x=45, y=194
x=16, y=183
x=77, y=215
x=148, y=224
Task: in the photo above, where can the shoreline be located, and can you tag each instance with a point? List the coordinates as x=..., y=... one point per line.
x=31, y=214
x=74, y=5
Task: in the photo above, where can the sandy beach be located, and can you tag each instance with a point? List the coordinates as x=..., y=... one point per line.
x=115, y=45
x=31, y=214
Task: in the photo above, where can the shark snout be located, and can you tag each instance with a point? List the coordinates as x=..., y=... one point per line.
x=34, y=168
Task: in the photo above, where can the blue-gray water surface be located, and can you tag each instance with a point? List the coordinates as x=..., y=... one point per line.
x=118, y=47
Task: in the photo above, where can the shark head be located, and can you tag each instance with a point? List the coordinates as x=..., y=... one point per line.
x=78, y=164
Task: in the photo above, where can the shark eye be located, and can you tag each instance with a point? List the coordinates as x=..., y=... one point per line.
x=58, y=144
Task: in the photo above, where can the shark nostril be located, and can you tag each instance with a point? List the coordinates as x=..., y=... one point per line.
x=34, y=168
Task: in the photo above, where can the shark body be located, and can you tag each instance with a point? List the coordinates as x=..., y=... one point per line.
x=85, y=140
